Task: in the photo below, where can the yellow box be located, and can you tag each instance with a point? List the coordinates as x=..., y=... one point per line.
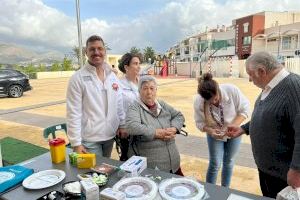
x=86, y=160
x=57, y=150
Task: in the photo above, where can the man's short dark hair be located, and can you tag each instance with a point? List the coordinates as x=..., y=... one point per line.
x=94, y=38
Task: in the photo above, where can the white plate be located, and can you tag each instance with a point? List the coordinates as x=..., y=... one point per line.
x=181, y=188
x=44, y=179
x=137, y=188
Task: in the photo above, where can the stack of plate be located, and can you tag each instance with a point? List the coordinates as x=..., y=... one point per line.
x=181, y=188
x=137, y=188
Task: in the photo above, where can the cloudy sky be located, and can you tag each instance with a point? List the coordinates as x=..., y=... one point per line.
x=44, y=25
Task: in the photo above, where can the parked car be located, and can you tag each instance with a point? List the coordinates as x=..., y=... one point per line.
x=13, y=83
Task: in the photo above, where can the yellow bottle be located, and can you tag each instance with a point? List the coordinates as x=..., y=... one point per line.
x=58, y=150
x=87, y=160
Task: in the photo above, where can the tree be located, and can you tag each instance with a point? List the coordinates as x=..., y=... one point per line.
x=55, y=67
x=77, y=54
x=41, y=68
x=149, y=53
x=67, y=65
x=30, y=70
x=19, y=68
x=135, y=50
x=107, y=47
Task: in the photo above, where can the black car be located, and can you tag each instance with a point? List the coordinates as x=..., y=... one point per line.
x=13, y=83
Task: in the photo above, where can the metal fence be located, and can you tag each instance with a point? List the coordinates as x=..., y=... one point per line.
x=293, y=65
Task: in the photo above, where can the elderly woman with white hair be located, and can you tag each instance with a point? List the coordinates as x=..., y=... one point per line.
x=153, y=125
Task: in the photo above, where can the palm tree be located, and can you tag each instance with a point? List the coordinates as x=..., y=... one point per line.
x=149, y=54
x=107, y=47
x=77, y=54
x=135, y=50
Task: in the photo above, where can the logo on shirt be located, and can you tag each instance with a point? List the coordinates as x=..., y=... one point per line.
x=115, y=86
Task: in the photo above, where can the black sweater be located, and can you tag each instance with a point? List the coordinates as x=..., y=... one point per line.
x=274, y=129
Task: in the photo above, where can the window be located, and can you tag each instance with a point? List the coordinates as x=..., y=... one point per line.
x=231, y=42
x=246, y=27
x=203, y=45
x=272, y=40
x=286, y=42
x=247, y=40
x=198, y=47
x=14, y=73
x=186, y=50
x=4, y=73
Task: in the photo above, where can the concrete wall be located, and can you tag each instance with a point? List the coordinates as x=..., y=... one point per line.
x=281, y=17
x=218, y=67
x=258, y=45
x=221, y=68
x=184, y=68
x=113, y=59
x=58, y=74
x=242, y=69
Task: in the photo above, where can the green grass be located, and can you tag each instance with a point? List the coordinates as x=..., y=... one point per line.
x=15, y=151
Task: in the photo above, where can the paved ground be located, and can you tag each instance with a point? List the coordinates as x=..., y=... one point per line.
x=25, y=118
x=191, y=145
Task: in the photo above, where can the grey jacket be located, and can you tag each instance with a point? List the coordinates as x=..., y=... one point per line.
x=141, y=123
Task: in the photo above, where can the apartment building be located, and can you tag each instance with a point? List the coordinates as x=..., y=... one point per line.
x=218, y=42
x=280, y=40
x=275, y=32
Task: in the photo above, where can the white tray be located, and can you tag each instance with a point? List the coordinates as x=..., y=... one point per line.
x=44, y=179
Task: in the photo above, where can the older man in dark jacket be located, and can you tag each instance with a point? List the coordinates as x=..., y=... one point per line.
x=274, y=128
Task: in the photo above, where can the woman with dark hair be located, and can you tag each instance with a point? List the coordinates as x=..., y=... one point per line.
x=130, y=66
x=215, y=107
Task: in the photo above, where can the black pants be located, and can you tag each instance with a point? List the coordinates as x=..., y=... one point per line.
x=270, y=185
x=124, y=149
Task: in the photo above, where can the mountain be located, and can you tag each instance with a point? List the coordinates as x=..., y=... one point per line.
x=13, y=54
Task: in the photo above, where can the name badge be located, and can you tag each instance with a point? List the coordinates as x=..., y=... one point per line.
x=87, y=78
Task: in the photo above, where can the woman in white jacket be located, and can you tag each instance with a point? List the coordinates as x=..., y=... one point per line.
x=130, y=66
x=217, y=106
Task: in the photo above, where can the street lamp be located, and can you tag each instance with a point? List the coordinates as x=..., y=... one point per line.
x=79, y=32
x=200, y=61
x=279, y=40
x=191, y=60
